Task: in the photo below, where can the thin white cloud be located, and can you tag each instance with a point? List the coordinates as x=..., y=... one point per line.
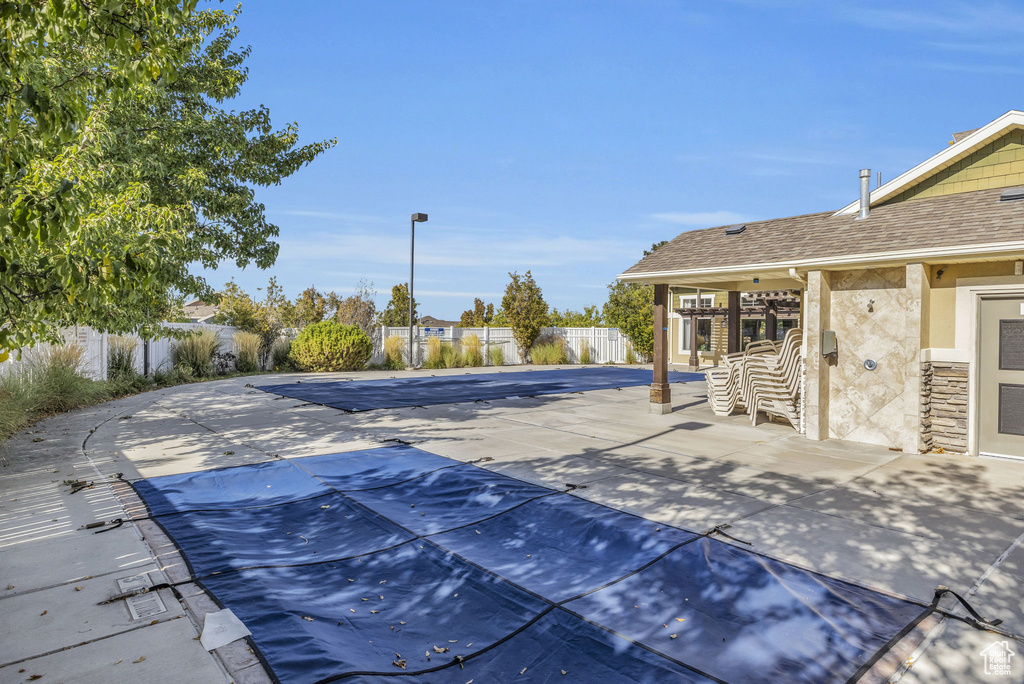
x=332, y=216
x=958, y=68
x=955, y=17
x=702, y=219
x=453, y=248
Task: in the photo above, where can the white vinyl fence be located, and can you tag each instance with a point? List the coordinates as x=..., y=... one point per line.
x=96, y=345
x=606, y=344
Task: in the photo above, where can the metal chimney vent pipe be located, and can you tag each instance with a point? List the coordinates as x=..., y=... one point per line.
x=865, y=194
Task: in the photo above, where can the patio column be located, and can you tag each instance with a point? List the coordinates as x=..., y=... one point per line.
x=694, y=360
x=734, y=341
x=661, y=395
x=771, y=320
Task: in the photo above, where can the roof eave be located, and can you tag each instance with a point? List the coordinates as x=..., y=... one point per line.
x=995, y=249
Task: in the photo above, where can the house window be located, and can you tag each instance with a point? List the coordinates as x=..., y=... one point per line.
x=703, y=324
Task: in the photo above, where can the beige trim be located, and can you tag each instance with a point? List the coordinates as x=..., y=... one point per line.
x=1011, y=120
x=1008, y=249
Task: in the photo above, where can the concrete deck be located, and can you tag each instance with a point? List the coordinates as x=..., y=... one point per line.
x=900, y=522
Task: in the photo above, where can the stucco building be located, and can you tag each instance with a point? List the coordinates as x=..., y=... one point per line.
x=921, y=281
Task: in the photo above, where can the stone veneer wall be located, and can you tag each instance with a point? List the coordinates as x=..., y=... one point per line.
x=944, y=406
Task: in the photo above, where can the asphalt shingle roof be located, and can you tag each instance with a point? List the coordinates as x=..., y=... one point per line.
x=970, y=218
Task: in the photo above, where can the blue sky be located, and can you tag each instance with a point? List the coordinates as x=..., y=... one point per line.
x=565, y=136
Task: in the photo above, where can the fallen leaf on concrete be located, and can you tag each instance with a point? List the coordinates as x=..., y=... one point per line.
x=78, y=588
x=229, y=453
x=43, y=613
x=118, y=661
x=35, y=677
x=10, y=586
x=141, y=658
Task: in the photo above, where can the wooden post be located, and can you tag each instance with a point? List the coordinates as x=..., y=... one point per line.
x=771, y=320
x=734, y=340
x=694, y=360
x=661, y=395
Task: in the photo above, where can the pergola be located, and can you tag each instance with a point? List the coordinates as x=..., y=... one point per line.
x=771, y=304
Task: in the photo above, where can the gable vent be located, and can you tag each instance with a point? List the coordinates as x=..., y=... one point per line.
x=1011, y=194
x=736, y=229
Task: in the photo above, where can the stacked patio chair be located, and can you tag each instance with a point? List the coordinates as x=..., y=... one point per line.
x=724, y=383
x=771, y=382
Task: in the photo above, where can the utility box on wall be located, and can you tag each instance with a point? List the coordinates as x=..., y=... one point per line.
x=828, y=343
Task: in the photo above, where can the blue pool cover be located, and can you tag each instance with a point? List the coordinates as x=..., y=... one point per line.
x=367, y=565
x=366, y=395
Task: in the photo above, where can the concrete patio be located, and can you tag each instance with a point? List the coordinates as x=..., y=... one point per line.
x=903, y=523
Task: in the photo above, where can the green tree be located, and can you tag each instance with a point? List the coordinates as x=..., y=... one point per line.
x=630, y=308
x=396, y=314
x=359, y=309
x=477, y=317
x=526, y=310
x=118, y=169
x=310, y=307
x=590, y=317
x=263, y=318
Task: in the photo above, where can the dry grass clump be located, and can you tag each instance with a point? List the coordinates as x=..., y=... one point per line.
x=247, y=349
x=195, y=353
x=394, y=352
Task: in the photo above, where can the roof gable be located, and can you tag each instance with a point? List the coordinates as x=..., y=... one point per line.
x=961, y=167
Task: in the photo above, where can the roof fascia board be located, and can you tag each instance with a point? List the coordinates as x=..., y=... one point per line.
x=1012, y=119
x=909, y=256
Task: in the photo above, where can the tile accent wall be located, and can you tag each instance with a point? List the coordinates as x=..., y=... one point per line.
x=869, y=405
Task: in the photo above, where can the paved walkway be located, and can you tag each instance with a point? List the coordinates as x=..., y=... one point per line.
x=901, y=522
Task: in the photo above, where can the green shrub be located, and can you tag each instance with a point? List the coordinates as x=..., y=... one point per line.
x=585, y=357
x=496, y=355
x=281, y=355
x=247, y=350
x=451, y=355
x=121, y=355
x=394, y=352
x=434, y=359
x=473, y=350
x=15, y=402
x=630, y=355
x=442, y=354
x=196, y=353
x=549, y=352
x=176, y=375
x=331, y=346
x=57, y=380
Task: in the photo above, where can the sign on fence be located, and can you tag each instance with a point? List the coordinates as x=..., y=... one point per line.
x=433, y=332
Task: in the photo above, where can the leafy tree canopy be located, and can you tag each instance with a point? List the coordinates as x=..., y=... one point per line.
x=524, y=307
x=310, y=307
x=477, y=317
x=630, y=308
x=264, y=318
x=396, y=314
x=590, y=317
x=359, y=309
x=118, y=168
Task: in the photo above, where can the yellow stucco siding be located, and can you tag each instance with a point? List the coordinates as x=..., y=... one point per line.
x=939, y=332
x=1000, y=164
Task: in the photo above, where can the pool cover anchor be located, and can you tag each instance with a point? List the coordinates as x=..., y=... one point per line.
x=720, y=529
x=976, y=620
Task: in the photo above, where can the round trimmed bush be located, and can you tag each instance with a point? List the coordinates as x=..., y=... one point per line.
x=331, y=346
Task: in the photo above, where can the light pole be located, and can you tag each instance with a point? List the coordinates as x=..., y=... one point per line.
x=416, y=218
